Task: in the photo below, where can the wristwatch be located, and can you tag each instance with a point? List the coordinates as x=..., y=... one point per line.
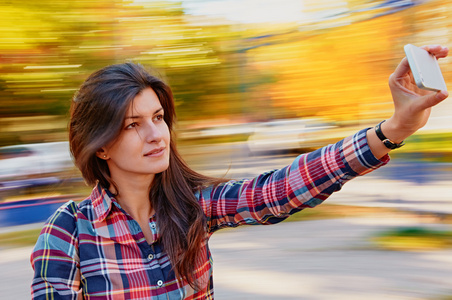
x=387, y=142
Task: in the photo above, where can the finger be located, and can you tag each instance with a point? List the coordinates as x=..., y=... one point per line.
x=402, y=69
x=433, y=99
x=437, y=50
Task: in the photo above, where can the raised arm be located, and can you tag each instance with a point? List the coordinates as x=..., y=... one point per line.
x=313, y=177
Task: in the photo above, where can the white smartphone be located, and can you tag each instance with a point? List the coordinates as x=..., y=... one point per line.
x=425, y=69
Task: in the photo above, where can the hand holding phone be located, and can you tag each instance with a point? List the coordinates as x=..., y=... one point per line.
x=425, y=69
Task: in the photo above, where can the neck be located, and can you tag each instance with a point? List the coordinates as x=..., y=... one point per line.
x=134, y=196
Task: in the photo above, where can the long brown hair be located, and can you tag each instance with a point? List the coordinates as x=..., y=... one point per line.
x=97, y=113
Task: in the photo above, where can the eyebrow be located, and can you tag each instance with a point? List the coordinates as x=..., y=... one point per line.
x=137, y=117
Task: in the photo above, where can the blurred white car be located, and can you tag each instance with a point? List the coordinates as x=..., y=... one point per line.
x=33, y=160
x=287, y=135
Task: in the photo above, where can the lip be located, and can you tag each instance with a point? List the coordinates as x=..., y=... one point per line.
x=155, y=152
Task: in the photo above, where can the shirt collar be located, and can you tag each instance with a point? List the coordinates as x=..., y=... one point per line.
x=102, y=200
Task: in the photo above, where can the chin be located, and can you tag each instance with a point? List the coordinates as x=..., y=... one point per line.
x=162, y=168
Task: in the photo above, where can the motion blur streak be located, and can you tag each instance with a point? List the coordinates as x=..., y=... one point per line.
x=255, y=82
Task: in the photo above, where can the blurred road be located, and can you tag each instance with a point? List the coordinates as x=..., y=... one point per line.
x=327, y=259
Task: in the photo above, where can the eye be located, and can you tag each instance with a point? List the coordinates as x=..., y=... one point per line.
x=132, y=125
x=159, y=117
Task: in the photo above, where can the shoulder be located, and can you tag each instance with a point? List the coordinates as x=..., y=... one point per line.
x=64, y=219
x=60, y=230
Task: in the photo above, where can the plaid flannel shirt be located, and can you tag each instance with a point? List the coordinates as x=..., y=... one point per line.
x=95, y=250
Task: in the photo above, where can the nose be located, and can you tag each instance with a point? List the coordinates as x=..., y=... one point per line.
x=153, y=133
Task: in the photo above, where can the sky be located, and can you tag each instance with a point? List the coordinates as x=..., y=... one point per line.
x=248, y=11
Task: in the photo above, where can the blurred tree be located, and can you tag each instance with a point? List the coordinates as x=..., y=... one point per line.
x=335, y=63
x=54, y=45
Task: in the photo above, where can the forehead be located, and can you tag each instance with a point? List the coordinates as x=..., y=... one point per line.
x=145, y=102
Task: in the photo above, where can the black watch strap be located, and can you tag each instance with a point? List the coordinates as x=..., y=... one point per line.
x=387, y=142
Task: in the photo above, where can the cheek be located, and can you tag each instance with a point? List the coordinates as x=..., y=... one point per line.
x=125, y=145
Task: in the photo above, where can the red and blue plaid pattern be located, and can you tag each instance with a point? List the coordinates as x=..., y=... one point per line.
x=95, y=250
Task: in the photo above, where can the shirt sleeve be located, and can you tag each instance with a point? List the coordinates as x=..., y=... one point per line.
x=55, y=257
x=273, y=196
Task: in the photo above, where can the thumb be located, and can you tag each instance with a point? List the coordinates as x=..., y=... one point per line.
x=433, y=99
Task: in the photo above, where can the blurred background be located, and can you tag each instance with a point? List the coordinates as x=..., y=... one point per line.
x=255, y=83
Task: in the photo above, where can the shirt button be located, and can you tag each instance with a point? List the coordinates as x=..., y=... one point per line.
x=159, y=283
x=150, y=257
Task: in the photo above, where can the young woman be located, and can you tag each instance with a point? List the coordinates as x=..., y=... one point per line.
x=143, y=232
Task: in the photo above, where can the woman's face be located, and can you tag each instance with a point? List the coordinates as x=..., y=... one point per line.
x=143, y=146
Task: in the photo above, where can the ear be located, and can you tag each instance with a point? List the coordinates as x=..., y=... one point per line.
x=102, y=154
